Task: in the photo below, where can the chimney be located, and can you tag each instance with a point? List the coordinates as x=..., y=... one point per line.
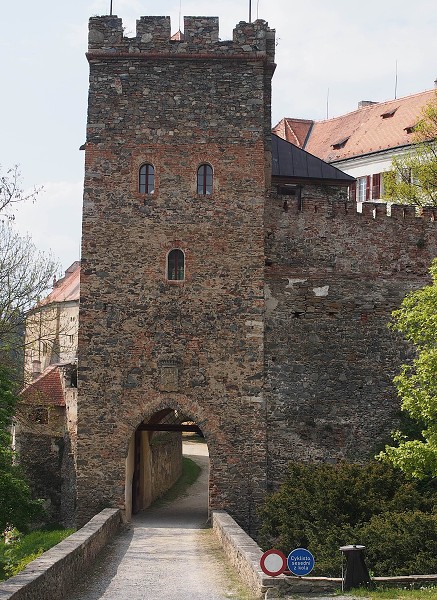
x=36, y=369
x=364, y=103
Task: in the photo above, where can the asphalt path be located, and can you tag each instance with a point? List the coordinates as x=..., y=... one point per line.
x=167, y=552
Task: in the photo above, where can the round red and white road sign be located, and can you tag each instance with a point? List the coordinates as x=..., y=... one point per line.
x=273, y=562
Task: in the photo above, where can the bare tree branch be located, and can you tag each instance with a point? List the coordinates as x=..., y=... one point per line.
x=25, y=276
x=11, y=191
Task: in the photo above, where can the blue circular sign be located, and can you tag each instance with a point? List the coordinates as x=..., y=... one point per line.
x=300, y=562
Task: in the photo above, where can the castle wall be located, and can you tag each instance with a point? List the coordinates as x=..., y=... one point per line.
x=48, y=463
x=276, y=341
x=174, y=105
x=166, y=462
x=333, y=276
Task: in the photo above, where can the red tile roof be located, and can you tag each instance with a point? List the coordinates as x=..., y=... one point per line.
x=46, y=390
x=294, y=131
x=369, y=129
x=178, y=36
x=67, y=288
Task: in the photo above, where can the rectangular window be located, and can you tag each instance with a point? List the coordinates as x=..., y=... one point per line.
x=376, y=186
x=361, y=189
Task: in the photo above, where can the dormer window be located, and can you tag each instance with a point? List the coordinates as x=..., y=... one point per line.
x=341, y=143
x=146, y=179
x=204, y=180
x=410, y=128
x=176, y=265
x=389, y=113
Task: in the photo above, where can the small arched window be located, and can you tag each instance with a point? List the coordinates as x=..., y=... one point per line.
x=204, y=180
x=176, y=265
x=146, y=179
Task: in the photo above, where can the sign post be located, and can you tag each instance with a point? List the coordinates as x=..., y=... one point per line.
x=273, y=562
x=300, y=562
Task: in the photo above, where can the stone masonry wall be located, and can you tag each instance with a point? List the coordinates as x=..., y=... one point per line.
x=166, y=455
x=277, y=339
x=44, y=455
x=333, y=276
x=52, y=575
x=175, y=105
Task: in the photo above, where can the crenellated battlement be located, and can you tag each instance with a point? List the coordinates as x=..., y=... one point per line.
x=377, y=211
x=201, y=36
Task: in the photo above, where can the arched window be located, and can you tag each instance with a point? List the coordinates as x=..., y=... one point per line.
x=146, y=179
x=176, y=265
x=204, y=180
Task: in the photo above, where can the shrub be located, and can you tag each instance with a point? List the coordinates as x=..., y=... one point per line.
x=401, y=543
x=322, y=507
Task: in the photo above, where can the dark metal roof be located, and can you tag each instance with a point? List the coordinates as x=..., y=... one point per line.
x=291, y=162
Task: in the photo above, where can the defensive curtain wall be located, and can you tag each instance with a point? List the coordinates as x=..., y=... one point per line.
x=148, y=343
x=333, y=276
x=274, y=341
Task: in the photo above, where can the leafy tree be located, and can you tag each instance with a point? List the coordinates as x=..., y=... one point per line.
x=16, y=505
x=413, y=177
x=416, y=384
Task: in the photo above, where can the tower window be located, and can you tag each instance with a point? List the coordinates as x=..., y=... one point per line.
x=204, y=180
x=146, y=180
x=176, y=265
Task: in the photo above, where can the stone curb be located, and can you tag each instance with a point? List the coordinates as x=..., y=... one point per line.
x=245, y=555
x=51, y=575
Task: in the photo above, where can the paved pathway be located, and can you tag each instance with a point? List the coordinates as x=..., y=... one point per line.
x=166, y=553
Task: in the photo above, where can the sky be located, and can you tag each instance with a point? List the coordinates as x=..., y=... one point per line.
x=330, y=54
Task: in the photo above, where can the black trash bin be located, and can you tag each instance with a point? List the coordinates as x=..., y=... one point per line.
x=356, y=573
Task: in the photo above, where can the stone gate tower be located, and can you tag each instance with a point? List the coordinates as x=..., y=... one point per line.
x=178, y=162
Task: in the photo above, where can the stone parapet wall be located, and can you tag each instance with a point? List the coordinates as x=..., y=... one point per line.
x=242, y=551
x=244, y=554
x=327, y=233
x=201, y=37
x=52, y=575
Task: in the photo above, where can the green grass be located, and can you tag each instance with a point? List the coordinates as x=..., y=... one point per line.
x=425, y=593
x=195, y=438
x=190, y=472
x=15, y=556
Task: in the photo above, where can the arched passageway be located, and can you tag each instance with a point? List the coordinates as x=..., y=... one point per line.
x=155, y=457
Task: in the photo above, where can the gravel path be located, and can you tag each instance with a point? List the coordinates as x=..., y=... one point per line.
x=165, y=553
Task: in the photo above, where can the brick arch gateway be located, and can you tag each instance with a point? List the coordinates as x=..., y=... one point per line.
x=154, y=457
